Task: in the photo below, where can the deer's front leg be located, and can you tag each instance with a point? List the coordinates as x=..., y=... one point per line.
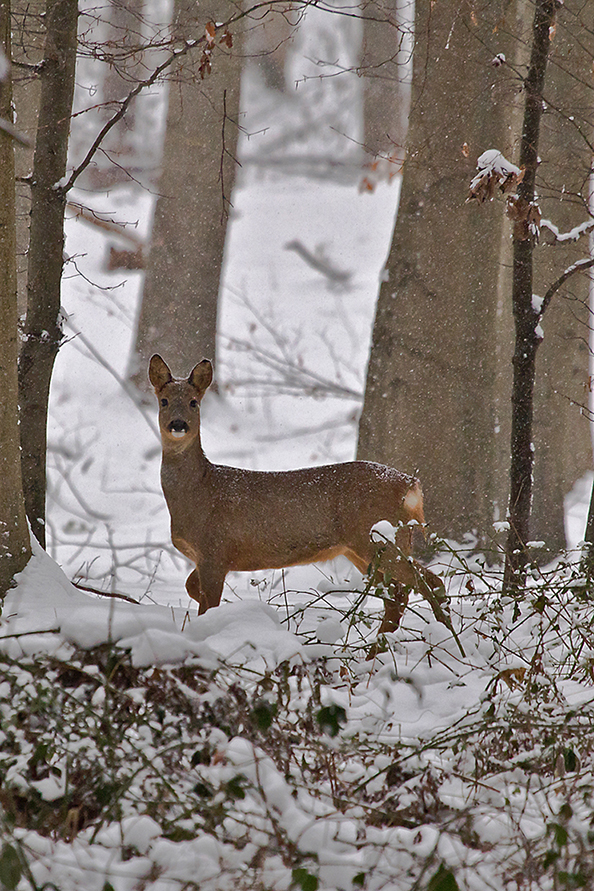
x=205, y=586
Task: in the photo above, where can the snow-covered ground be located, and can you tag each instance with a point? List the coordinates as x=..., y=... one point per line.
x=258, y=746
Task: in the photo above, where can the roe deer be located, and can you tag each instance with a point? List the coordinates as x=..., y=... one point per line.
x=224, y=518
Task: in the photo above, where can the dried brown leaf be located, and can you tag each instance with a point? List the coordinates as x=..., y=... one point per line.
x=205, y=66
x=210, y=32
x=525, y=216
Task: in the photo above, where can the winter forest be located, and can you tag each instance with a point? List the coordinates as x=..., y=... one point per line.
x=376, y=221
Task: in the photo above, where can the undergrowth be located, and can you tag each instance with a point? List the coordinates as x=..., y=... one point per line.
x=308, y=775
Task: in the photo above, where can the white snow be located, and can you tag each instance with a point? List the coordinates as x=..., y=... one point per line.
x=383, y=531
x=44, y=610
x=493, y=165
x=572, y=235
x=329, y=631
x=494, y=160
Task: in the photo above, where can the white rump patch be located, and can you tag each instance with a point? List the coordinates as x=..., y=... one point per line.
x=413, y=500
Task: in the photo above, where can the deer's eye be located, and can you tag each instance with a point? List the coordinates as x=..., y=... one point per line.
x=193, y=403
x=164, y=402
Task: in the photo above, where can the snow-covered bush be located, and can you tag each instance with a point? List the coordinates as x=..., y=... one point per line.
x=417, y=769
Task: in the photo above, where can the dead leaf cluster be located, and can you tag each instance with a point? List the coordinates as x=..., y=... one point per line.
x=210, y=35
x=488, y=181
x=525, y=216
x=381, y=169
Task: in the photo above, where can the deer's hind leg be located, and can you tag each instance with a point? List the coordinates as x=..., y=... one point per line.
x=395, y=560
x=405, y=573
x=205, y=586
x=394, y=608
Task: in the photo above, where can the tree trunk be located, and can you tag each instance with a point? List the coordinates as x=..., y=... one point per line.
x=43, y=332
x=15, y=548
x=525, y=314
x=178, y=315
x=27, y=52
x=387, y=39
x=588, y=555
x=438, y=362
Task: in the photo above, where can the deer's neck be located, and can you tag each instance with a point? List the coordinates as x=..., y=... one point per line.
x=183, y=461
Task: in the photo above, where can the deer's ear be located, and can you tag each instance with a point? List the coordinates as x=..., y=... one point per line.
x=201, y=376
x=159, y=373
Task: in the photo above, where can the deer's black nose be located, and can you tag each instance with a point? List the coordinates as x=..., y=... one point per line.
x=178, y=426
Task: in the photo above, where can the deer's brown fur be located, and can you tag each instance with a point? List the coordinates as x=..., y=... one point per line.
x=224, y=518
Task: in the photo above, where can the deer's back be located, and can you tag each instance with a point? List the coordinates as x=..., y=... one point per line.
x=267, y=519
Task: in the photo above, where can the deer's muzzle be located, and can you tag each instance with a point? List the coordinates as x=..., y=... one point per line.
x=178, y=428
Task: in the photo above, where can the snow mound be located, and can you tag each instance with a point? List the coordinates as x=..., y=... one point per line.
x=45, y=612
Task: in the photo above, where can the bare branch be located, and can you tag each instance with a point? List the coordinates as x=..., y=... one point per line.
x=580, y=266
x=294, y=377
x=100, y=593
x=128, y=388
x=97, y=219
x=125, y=104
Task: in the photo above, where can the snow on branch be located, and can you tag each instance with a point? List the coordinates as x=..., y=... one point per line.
x=494, y=172
x=574, y=234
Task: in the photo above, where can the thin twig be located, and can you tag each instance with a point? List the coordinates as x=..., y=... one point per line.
x=580, y=266
x=127, y=387
x=113, y=594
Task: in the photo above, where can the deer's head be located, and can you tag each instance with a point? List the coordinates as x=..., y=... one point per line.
x=179, y=400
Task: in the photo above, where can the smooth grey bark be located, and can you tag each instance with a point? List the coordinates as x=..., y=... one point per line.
x=27, y=52
x=438, y=365
x=385, y=67
x=178, y=314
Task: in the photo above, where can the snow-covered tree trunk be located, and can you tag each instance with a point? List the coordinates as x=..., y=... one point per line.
x=14, y=535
